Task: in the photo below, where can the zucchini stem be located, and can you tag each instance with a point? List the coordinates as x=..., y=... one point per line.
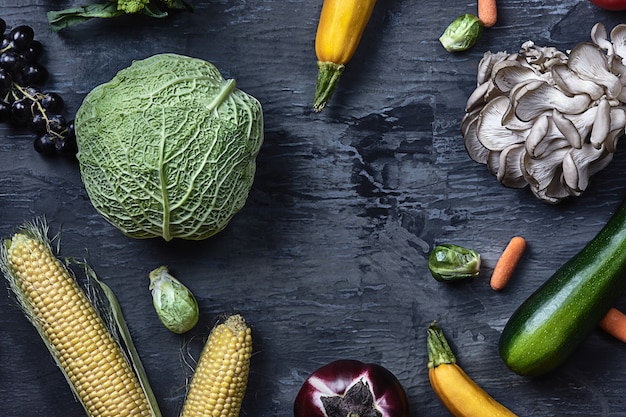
x=439, y=351
x=327, y=79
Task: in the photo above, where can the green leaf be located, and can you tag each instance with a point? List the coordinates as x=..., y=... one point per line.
x=69, y=17
x=122, y=330
x=153, y=9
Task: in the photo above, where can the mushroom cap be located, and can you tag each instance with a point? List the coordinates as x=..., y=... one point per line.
x=486, y=64
x=510, y=172
x=588, y=61
x=618, y=41
x=599, y=36
x=535, y=97
x=544, y=176
x=571, y=84
x=490, y=130
x=474, y=147
x=507, y=74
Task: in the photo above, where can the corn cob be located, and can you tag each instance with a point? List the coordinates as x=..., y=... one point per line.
x=91, y=359
x=220, y=379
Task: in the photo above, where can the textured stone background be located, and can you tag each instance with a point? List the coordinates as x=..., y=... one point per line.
x=328, y=258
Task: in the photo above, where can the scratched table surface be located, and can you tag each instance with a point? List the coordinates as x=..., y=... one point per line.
x=328, y=259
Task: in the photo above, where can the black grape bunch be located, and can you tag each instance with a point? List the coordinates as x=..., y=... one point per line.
x=23, y=104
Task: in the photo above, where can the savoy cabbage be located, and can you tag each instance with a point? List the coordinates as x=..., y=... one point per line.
x=168, y=148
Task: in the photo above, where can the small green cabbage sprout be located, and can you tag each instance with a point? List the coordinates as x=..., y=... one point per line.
x=448, y=262
x=175, y=305
x=462, y=33
x=168, y=148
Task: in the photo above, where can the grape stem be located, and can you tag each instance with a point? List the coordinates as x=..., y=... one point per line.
x=37, y=103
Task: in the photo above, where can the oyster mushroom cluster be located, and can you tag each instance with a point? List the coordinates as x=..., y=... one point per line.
x=549, y=119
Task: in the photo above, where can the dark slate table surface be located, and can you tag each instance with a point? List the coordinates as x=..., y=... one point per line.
x=328, y=258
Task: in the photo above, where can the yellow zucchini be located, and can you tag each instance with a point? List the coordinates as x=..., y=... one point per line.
x=339, y=32
x=460, y=394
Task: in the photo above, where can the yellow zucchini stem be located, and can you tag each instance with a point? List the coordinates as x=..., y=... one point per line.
x=327, y=79
x=439, y=350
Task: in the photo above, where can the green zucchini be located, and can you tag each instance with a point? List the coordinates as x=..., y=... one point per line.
x=547, y=327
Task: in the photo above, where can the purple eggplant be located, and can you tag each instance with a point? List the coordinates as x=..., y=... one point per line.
x=351, y=388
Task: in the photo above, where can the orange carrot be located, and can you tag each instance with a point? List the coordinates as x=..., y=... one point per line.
x=614, y=323
x=507, y=263
x=487, y=12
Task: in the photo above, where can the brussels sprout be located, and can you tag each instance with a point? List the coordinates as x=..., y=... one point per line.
x=449, y=262
x=462, y=33
x=175, y=305
x=168, y=148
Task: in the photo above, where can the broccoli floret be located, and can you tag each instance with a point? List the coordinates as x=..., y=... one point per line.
x=131, y=6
